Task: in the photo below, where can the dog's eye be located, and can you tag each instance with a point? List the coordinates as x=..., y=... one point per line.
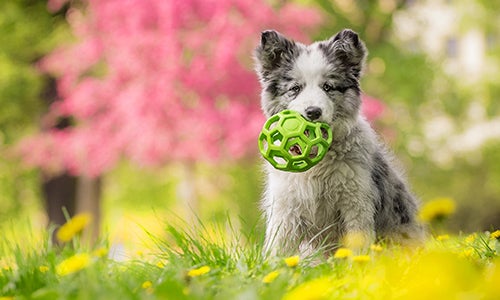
x=327, y=87
x=295, y=89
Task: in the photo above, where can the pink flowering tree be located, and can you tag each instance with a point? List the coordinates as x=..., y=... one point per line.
x=154, y=81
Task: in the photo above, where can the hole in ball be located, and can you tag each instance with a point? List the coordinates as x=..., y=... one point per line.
x=265, y=146
x=324, y=133
x=276, y=138
x=309, y=132
x=300, y=163
x=279, y=160
x=314, y=151
x=295, y=150
x=273, y=125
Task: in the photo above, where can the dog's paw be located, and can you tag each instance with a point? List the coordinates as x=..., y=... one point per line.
x=358, y=240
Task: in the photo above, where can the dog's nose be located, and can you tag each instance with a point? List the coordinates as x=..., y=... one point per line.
x=313, y=113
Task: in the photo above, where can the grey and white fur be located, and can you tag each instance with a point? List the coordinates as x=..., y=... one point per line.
x=355, y=189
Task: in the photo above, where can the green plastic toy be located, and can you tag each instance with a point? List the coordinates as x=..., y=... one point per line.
x=289, y=142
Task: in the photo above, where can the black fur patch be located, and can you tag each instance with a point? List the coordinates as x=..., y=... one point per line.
x=379, y=175
x=399, y=205
x=275, y=51
x=276, y=56
x=272, y=88
x=390, y=197
x=346, y=53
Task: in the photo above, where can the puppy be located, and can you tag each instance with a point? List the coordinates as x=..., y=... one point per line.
x=355, y=194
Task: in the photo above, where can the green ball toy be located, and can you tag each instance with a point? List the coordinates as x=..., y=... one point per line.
x=291, y=143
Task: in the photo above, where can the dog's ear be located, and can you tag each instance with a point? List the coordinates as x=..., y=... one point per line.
x=274, y=50
x=347, y=47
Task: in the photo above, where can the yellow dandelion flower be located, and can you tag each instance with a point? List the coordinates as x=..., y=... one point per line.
x=6, y=298
x=100, y=252
x=342, y=253
x=320, y=288
x=355, y=240
x=495, y=235
x=471, y=238
x=467, y=253
x=160, y=264
x=361, y=258
x=437, y=209
x=74, y=226
x=5, y=266
x=43, y=269
x=199, y=271
x=270, y=277
x=292, y=261
x=146, y=284
x=73, y=264
x=443, y=237
x=376, y=248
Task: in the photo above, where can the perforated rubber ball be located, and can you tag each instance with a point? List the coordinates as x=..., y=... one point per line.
x=289, y=142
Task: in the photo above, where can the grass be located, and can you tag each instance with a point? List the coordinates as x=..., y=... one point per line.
x=217, y=262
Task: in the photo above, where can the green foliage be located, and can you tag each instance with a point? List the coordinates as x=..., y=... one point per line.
x=133, y=188
x=19, y=191
x=27, y=32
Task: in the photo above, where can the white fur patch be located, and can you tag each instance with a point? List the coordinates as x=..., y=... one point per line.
x=310, y=69
x=311, y=64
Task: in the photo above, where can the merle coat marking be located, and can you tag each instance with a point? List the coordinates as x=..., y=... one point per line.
x=355, y=189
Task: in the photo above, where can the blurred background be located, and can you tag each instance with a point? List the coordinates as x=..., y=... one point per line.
x=144, y=111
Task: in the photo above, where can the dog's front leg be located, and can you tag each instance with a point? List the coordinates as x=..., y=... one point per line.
x=358, y=223
x=280, y=235
x=274, y=236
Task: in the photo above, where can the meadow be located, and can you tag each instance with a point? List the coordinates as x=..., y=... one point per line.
x=217, y=261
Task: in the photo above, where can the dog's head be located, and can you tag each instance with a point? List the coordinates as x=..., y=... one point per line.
x=320, y=81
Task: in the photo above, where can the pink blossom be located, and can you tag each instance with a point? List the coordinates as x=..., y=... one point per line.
x=371, y=108
x=55, y=5
x=154, y=81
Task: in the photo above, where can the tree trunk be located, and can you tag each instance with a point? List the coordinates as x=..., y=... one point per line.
x=58, y=191
x=59, y=194
x=88, y=197
x=65, y=191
